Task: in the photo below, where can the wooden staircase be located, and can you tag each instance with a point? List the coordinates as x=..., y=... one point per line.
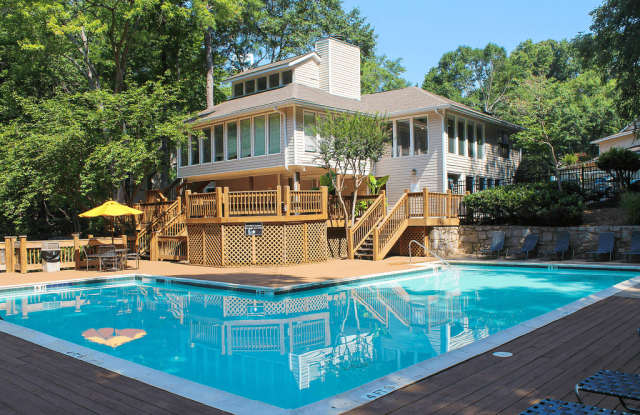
x=359, y=237
x=365, y=251
x=168, y=223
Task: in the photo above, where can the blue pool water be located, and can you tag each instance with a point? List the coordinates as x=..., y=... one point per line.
x=291, y=350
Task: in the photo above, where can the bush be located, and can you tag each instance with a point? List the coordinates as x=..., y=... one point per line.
x=630, y=203
x=526, y=204
x=621, y=163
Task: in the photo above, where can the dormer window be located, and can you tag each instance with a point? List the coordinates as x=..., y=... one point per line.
x=250, y=87
x=287, y=77
x=274, y=80
x=238, y=89
x=262, y=83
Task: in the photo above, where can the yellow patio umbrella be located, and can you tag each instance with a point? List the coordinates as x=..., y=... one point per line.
x=110, y=209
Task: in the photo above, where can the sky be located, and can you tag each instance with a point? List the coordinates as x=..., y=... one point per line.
x=421, y=31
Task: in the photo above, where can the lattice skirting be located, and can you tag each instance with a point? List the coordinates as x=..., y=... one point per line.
x=280, y=243
x=337, y=243
x=402, y=245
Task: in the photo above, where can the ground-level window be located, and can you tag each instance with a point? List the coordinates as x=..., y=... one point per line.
x=218, y=141
x=274, y=133
x=259, y=137
x=310, y=139
x=420, y=136
x=232, y=140
x=206, y=145
x=461, y=131
x=245, y=138
x=451, y=134
x=471, y=140
x=469, y=184
x=453, y=183
x=403, y=137
x=195, y=150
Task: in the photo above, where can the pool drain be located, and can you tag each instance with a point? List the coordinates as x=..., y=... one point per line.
x=502, y=354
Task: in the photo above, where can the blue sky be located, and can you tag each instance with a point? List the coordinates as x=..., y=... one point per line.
x=419, y=32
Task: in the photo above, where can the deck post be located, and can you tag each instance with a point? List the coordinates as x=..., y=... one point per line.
x=425, y=201
x=76, y=249
x=187, y=202
x=179, y=202
x=376, y=237
x=278, y=200
x=450, y=203
x=153, y=246
x=23, y=254
x=287, y=200
x=324, y=202
x=407, y=205
x=219, y=202
x=225, y=202
x=125, y=243
x=9, y=254
x=426, y=242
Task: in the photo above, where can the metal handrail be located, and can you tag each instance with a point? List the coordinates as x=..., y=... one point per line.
x=413, y=241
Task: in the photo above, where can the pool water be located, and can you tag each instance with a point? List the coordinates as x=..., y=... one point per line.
x=292, y=350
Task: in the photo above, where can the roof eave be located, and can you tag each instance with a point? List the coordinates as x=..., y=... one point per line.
x=240, y=76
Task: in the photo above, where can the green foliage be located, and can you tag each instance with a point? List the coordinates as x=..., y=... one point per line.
x=376, y=184
x=540, y=204
x=570, y=159
x=621, y=163
x=630, y=203
x=380, y=73
x=328, y=179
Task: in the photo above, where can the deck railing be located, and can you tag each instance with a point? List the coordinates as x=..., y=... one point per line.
x=387, y=232
x=428, y=204
x=278, y=204
x=365, y=225
x=335, y=209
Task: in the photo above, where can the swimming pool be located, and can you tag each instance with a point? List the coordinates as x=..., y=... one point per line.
x=291, y=350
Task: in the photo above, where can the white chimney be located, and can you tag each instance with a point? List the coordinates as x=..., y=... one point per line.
x=339, y=68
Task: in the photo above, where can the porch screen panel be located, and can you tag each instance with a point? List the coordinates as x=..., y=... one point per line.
x=258, y=136
x=420, y=136
x=451, y=134
x=195, y=150
x=245, y=138
x=403, y=139
x=218, y=142
x=206, y=145
x=232, y=141
x=461, y=138
x=274, y=133
x=471, y=140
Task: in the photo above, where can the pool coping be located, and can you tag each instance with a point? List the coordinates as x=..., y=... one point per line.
x=336, y=404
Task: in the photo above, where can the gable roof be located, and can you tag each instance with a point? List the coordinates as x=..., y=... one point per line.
x=627, y=130
x=294, y=60
x=393, y=103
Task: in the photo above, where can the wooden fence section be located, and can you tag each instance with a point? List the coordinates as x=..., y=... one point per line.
x=281, y=204
x=172, y=248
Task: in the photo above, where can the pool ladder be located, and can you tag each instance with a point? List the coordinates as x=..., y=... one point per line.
x=430, y=252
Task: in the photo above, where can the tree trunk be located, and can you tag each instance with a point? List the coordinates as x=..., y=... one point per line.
x=209, y=56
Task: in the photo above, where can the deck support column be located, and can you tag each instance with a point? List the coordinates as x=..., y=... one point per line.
x=23, y=254
x=278, y=201
x=425, y=201
x=325, y=202
x=287, y=200
x=219, y=202
x=9, y=254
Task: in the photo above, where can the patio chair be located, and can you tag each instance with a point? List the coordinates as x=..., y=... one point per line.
x=611, y=383
x=635, y=245
x=108, y=257
x=496, y=247
x=529, y=245
x=552, y=407
x=89, y=257
x=562, y=245
x=606, y=243
x=131, y=255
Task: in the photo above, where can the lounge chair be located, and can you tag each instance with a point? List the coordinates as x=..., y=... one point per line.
x=552, y=407
x=496, y=247
x=606, y=243
x=611, y=383
x=562, y=245
x=529, y=245
x=635, y=245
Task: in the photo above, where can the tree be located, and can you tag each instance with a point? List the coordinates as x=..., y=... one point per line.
x=621, y=163
x=349, y=145
x=379, y=74
x=614, y=46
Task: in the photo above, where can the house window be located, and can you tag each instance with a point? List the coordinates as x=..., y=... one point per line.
x=218, y=141
x=195, y=150
x=489, y=183
x=461, y=137
x=469, y=183
x=245, y=138
x=258, y=136
x=274, y=80
x=287, y=77
x=480, y=140
x=274, y=133
x=206, y=146
x=420, y=136
x=232, y=140
x=503, y=144
x=403, y=137
x=453, y=183
x=309, y=131
x=471, y=140
x=451, y=134
x=184, y=153
x=250, y=87
x=238, y=89
x=262, y=83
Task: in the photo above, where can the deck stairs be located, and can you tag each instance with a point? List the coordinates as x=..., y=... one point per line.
x=170, y=222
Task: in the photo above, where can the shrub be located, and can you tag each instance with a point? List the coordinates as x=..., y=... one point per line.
x=526, y=204
x=621, y=163
x=630, y=203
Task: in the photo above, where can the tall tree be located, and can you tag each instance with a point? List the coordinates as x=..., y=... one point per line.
x=380, y=73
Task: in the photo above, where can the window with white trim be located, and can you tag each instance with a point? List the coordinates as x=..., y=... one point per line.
x=309, y=126
x=206, y=145
x=480, y=140
x=232, y=140
x=461, y=136
x=218, y=142
x=245, y=138
x=194, y=145
x=420, y=136
x=451, y=134
x=403, y=137
x=471, y=139
x=259, y=135
x=274, y=133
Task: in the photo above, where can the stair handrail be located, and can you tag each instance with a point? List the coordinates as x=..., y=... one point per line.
x=152, y=226
x=366, y=224
x=382, y=246
x=430, y=252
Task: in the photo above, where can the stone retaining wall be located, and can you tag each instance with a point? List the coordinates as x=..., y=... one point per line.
x=583, y=238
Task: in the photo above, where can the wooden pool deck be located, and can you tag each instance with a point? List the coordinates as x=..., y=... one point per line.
x=546, y=362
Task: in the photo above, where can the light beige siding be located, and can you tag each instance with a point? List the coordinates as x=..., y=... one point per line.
x=625, y=141
x=340, y=67
x=307, y=73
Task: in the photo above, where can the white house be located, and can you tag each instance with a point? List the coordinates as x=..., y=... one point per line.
x=628, y=138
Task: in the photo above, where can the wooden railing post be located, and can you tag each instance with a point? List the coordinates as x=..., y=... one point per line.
x=450, y=203
x=407, y=205
x=23, y=254
x=9, y=254
x=225, y=202
x=287, y=200
x=324, y=201
x=179, y=202
x=153, y=246
x=278, y=200
x=187, y=202
x=376, y=238
x=218, y=202
x=76, y=249
x=425, y=201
